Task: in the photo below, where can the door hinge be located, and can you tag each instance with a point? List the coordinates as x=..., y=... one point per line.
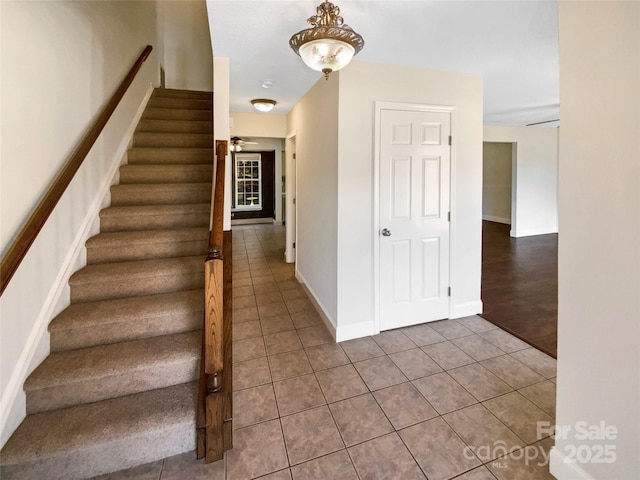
x=449, y=291
x=294, y=156
x=450, y=140
x=448, y=216
x=294, y=244
x=294, y=201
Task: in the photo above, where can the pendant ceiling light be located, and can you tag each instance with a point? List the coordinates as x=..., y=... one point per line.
x=263, y=104
x=330, y=44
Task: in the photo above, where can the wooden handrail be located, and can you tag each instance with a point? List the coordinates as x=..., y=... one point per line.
x=217, y=217
x=20, y=246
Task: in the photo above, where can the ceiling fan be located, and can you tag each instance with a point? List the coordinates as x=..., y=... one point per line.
x=237, y=144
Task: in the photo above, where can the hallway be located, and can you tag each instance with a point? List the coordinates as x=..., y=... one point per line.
x=443, y=400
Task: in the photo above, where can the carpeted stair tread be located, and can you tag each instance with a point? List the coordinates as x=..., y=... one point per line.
x=138, y=174
x=174, y=93
x=102, y=437
x=160, y=194
x=177, y=114
x=121, y=239
x=182, y=156
x=140, y=277
x=146, y=244
x=173, y=140
x=104, y=322
x=137, y=269
x=175, y=126
x=180, y=103
x=98, y=373
x=89, y=324
x=148, y=217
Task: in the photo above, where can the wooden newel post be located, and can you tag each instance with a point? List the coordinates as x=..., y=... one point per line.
x=214, y=421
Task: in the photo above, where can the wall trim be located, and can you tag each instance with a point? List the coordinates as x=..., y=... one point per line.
x=466, y=309
x=252, y=221
x=491, y=218
x=530, y=232
x=9, y=402
x=355, y=330
x=329, y=322
x=562, y=469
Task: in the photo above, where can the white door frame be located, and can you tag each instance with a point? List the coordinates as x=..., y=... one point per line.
x=291, y=191
x=409, y=107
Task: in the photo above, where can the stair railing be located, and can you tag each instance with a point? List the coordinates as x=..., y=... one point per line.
x=20, y=246
x=214, y=425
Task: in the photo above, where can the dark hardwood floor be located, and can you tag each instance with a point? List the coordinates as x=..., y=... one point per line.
x=520, y=285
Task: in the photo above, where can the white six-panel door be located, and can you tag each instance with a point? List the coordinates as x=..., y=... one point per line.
x=414, y=224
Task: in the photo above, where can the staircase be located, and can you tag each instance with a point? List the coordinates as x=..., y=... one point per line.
x=118, y=388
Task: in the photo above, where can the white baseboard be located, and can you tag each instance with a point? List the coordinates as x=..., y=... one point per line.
x=496, y=219
x=355, y=330
x=13, y=401
x=560, y=468
x=530, y=232
x=329, y=322
x=251, y=221
x=466, y=309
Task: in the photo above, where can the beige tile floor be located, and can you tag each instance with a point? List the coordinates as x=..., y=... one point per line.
x=451, y=399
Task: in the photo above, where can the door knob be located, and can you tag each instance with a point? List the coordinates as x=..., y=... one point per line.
x=386, y=232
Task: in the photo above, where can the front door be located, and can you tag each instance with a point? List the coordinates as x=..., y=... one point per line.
x=414, y=217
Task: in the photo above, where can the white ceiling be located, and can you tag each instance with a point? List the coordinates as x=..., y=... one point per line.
x=512, y=44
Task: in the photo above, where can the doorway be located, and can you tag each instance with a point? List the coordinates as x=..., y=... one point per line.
x=414, y=169
x=290, y=198
x=253, y=185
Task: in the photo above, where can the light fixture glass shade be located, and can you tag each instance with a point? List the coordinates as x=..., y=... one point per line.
x=326, y=54
x=330, y=44
x=263, y=104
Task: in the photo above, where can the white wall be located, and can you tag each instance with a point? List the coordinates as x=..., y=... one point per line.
x=361, y=84
x=535, y=177
x=221, y=126
x=496, y=182
x=258, y=125
x=186, y=56
x=315, y=120
x=61, y=61
x=599, y=241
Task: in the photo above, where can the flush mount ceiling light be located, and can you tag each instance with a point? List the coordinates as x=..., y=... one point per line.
x=263, y=104
x=330, y=44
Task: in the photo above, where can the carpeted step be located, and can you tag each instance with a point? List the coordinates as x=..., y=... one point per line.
x=178, y=156
x=89, y=324
x=174, y=93
x=147, y=244
x=173, y=140
x=160, y=194
x=166, y=174
x=177, y=114
x=86, y=375
x=180, y=103
x=142, y=277
x=102, y=437
x=154, y=217
x=175, y=126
